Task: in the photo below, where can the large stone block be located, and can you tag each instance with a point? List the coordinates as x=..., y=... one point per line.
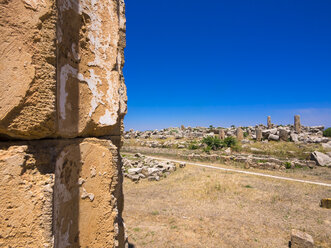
x=25, y=199
x=27, y=68
x=61, y=193
x=61, y=68
x=91, y=41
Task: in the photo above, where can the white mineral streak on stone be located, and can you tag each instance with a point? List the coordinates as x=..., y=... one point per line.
x=92, y=83
x=74, y=53
x=100, y=46
x=66, y=70
x=60, y=188
x=108, y=118
x=59, y=34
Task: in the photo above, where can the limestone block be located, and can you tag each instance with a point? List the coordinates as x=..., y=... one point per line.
x=221, y=134
x=27, y=68
x=91, y=90
x=283, y=135
x=297, y=124
x=86, y=195
x=61, y=193
x=258, y=134
x=301, y=239
x=25, y=200
x=269, y=124
x=61, y=68
x=239, y=133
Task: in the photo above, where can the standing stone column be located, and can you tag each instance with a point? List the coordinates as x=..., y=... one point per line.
x=258, y=134
x=297, y=124
x=61, y=78
x=221, y=134
x=239, y=133
x=269, y=124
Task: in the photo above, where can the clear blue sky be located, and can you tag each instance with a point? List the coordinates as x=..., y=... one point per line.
x=217, y=62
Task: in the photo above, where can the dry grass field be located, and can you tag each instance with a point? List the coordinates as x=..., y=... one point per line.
x=197, y=207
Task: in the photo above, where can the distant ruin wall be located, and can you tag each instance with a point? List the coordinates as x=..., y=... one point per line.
x=62, y=104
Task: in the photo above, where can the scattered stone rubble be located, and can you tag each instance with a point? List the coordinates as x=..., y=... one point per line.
x=312, y=134
x=142, y=167
x=227, y=157
x=301, y=239
x=321, y=159
x=182, y=138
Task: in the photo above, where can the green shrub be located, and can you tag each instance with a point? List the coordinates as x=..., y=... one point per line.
x=327, y=132
x=207, y=149
x=212, y=142
x=245, y=134
x=193, y=145
x=230, y=141
x=288, y=165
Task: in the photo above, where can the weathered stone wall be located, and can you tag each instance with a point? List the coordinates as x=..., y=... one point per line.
x=27, y=68
x=62, y=104
x=61, y=68
x=91, y=90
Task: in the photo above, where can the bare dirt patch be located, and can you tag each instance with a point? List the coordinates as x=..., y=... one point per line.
x=198, y=207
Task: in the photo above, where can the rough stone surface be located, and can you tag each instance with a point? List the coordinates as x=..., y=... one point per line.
x=240, y=134
x=61, y=77
x=221, y=134
x=32, y=168
x=294, y=137
x=258, y=134
x=301, y=239
x=321, y=159
x=61, y=68
x=91, y=90
x=86, y=215
x=273, y=137
x=27, y=69
x=269, y=124
x=26, y=199
x=283, y=135
x=297, y=124
x=147, y=168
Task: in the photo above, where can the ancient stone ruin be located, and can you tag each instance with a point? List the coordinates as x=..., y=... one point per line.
x=269, y=124
x=297, y=124
x=62, y=103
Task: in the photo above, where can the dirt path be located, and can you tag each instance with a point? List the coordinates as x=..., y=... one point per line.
x=241, y=171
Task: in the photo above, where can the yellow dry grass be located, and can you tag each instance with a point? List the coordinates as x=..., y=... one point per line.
x=197, y=207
